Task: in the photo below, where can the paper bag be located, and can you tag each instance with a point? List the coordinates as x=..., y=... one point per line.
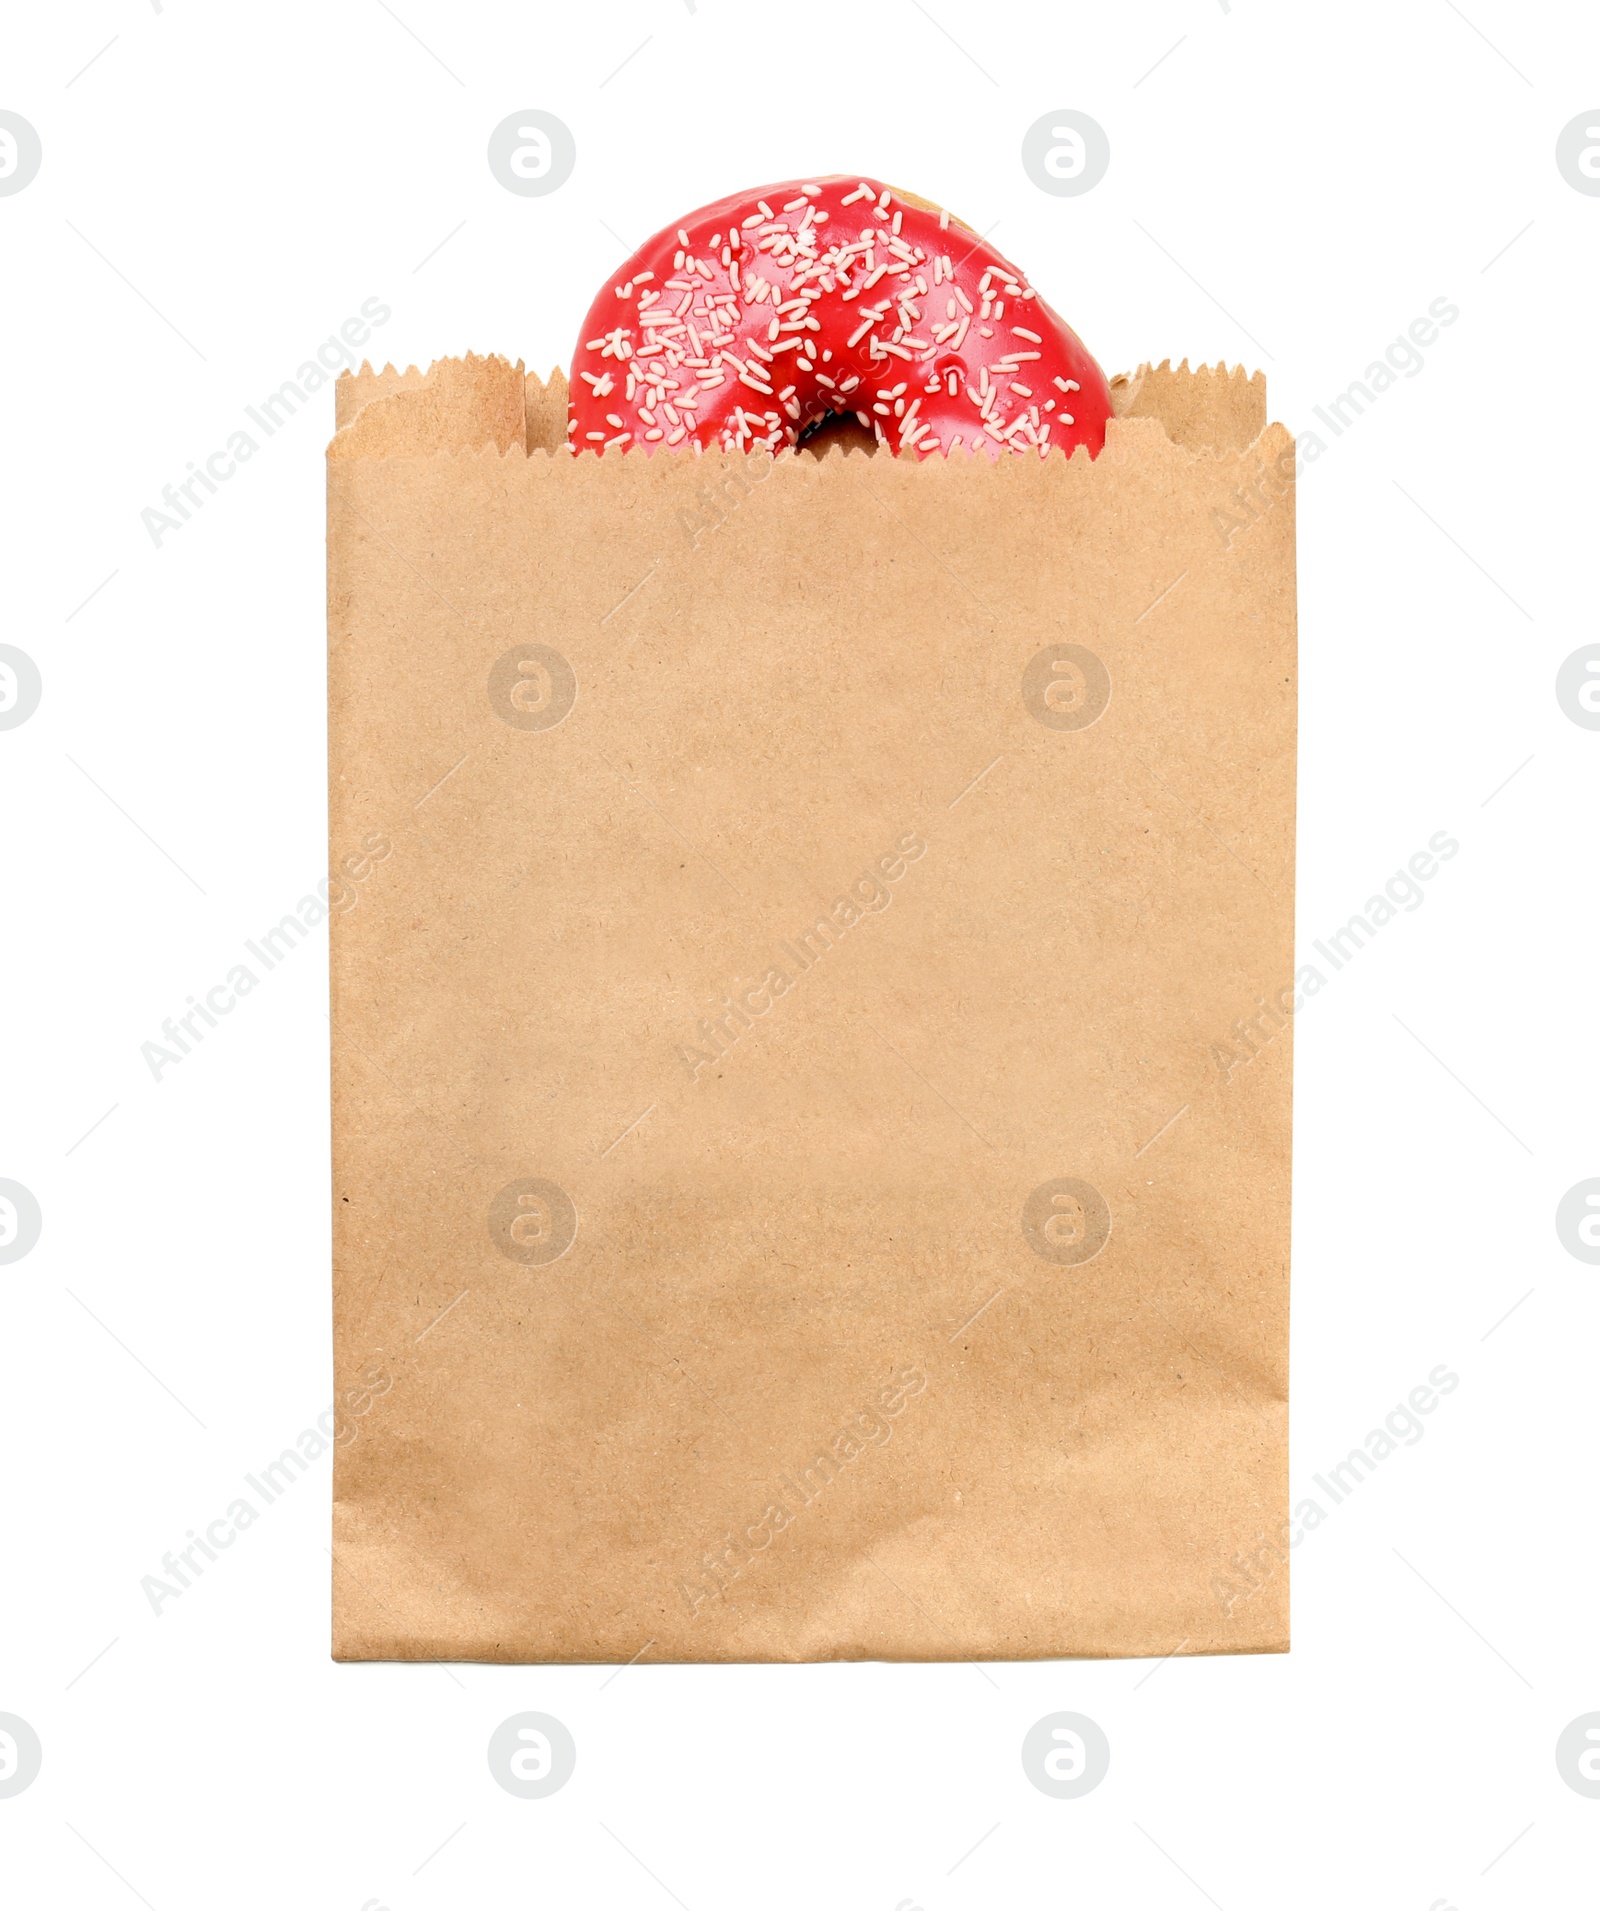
x=812, y=970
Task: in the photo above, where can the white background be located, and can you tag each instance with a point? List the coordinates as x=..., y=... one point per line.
x=1289, y=187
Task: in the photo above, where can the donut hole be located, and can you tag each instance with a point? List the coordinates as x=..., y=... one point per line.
x=836, y=428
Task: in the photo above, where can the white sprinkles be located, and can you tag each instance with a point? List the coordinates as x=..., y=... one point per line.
x=739, y=298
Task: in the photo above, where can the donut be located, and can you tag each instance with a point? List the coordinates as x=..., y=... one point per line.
x=768, y=318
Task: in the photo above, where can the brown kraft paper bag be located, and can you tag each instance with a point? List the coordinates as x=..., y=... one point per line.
x=796, y=924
